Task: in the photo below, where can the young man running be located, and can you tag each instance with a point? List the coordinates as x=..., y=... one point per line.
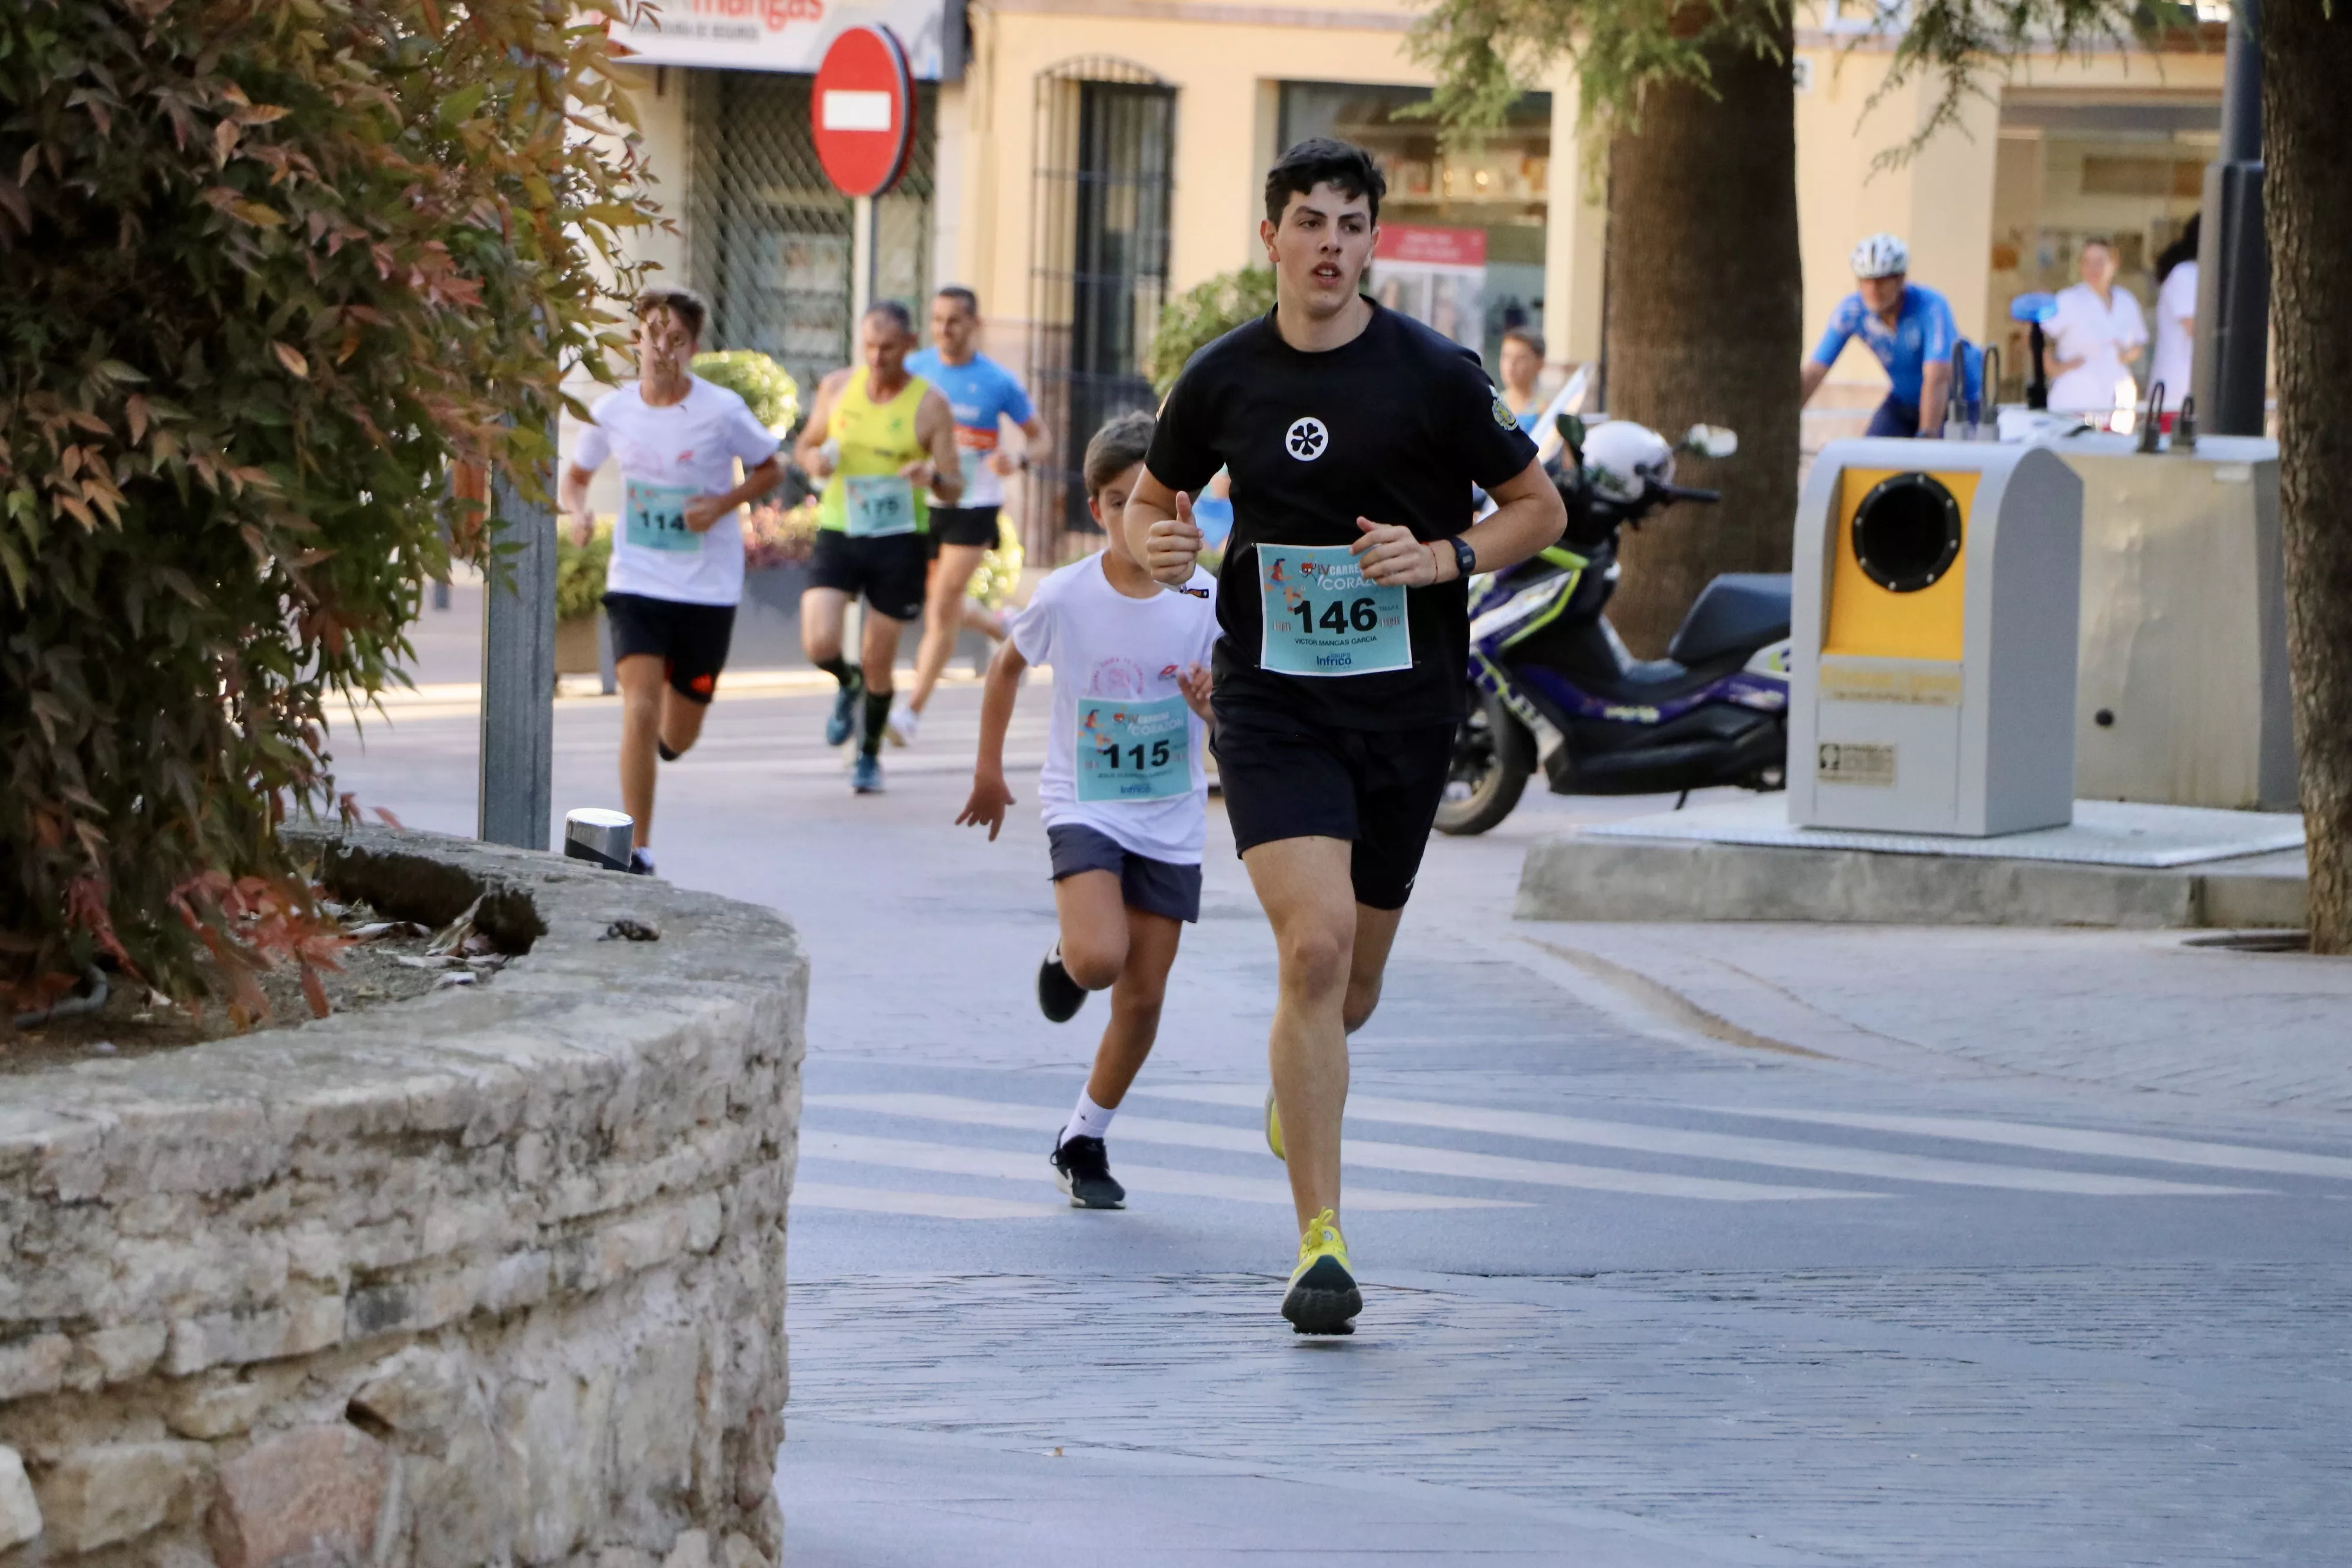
x=1123, y=791
x=678, y=552
x=1354, y=435
x=984, y=395
x=880, y=437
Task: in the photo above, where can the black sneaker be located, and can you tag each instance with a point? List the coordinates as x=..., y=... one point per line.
x=1082, y=1168
x=1059, y=998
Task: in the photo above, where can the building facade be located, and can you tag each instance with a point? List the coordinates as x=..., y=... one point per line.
x=1077, y=161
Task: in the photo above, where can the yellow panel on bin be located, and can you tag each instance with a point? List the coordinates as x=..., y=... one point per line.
x=1867, y=621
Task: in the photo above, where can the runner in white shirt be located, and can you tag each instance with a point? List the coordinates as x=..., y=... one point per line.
x=2091, y=344
x=677, y=546
x=1123, y=791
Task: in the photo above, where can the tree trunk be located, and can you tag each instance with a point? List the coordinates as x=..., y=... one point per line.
x=1705, y=299
x=2308, y=195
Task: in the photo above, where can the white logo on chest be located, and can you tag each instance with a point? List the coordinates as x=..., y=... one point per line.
x=1307, y=439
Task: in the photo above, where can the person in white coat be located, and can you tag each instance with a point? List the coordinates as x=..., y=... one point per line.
x=2094, y=338
x=2175, y=318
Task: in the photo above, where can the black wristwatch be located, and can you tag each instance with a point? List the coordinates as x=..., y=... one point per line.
x=1465, y=560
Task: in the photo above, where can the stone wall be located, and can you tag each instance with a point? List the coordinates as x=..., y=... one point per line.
x=496, y=1275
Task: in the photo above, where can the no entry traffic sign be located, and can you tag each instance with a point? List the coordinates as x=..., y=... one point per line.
x=863, y=111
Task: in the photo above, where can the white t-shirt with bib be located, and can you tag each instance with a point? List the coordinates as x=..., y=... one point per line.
x=687, y=448
x=1106, y=648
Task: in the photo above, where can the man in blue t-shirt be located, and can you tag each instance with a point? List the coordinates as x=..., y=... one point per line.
x=1909, y=328
x=984, y=397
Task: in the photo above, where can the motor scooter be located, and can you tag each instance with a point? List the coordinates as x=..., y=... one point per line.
x=1552, y=685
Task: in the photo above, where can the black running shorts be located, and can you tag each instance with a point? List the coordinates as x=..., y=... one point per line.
x=964, y=525
x=1287, y=777
x=689, y=639
x=889, y=571
x=1155, y=886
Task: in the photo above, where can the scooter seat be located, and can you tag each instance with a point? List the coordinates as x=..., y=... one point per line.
x=1739, y=613
x=1652, y=675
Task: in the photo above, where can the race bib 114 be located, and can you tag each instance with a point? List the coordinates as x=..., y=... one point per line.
x=654, y=517
x=1324, y=616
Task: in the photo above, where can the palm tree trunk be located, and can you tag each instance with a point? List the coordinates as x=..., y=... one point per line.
x=2308, y=195
x=1704, y=296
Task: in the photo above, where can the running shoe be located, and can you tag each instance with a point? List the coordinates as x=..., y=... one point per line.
x=843, y=721
x=866, y=778
x=901, y=727
x=1274, y=1127
x=640, y=862
x=1323, y=1295
x=1059, y=998
x=1082, y=1169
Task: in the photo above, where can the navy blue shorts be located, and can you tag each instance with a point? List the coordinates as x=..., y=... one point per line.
x=1895, y=417
x=1155, y=886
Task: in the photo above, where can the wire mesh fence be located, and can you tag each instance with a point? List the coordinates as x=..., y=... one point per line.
x=771, y=241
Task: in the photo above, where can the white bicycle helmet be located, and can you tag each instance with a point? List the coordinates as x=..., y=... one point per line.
x=1880, y=255
x=1621, y=457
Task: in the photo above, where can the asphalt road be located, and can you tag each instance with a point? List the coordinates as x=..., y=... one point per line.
x=1633, y=1295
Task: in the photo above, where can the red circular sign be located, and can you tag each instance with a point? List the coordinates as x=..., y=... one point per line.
x=863, y=111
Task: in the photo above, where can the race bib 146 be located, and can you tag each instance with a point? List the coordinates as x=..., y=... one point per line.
x=1324, y=616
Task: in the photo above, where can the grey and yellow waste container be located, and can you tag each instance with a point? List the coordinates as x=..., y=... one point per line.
x=1933, y=639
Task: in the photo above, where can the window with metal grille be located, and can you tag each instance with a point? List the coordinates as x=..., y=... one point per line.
x=770, y=239
x=1106, y=133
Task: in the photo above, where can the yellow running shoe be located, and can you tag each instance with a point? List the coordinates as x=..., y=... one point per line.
x=1323, y=1294
x=1274, y=1127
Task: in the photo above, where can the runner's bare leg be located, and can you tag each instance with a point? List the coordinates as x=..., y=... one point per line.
x=643, y=683
x=1305, y=887
x=878, y=650
x=943, y=616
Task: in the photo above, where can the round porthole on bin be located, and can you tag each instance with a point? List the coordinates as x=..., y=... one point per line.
x=1907, y=532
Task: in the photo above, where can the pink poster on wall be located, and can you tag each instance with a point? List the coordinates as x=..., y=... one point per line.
x=1436, y=275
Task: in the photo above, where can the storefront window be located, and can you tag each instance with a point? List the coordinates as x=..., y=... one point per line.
x=1463, y=232
x=2128, y=172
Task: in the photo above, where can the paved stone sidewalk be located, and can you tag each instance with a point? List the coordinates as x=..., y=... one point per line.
x=2134, y=1010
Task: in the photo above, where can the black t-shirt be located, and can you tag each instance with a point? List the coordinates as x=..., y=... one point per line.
x=1396, y=425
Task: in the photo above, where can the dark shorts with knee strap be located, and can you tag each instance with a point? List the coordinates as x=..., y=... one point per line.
x=689, y=639
x=1286, y=776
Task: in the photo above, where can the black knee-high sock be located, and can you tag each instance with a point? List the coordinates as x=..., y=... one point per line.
x=877, y=715
x=841, y=669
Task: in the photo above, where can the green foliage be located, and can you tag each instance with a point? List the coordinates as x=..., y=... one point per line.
x=767, y=386
x=580, y=570
x=999, y=572
x=1485, y=52
x=268, y=269
x=1201, y=315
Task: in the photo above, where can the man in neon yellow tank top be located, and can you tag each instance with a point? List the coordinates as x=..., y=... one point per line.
x=880, y=439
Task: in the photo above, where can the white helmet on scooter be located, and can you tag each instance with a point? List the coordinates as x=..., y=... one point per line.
x=1621, y=459
x=1880, y=255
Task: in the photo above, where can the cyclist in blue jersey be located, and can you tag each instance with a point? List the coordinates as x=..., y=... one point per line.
x=1908, y=327
x=985, y=397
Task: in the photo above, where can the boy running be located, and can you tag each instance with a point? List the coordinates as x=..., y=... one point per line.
x=677, y=552
x=1123, y=793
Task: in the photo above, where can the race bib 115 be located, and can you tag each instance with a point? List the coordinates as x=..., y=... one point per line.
x=1133, y=750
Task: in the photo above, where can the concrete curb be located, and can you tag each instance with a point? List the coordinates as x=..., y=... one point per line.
x=1576, y=877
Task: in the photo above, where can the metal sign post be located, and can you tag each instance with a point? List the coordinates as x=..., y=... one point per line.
x=518, y=748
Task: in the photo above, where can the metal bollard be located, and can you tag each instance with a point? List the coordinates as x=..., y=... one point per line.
x=598, y=836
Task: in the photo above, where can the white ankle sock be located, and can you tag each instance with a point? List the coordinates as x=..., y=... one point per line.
x=1089, y=1120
